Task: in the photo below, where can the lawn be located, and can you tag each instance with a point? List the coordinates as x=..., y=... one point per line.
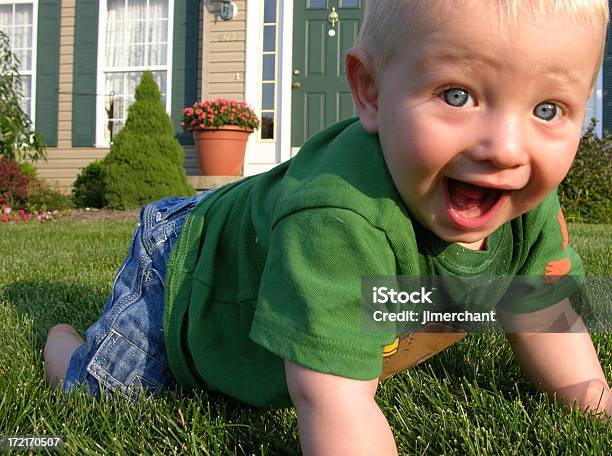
x=471, y=399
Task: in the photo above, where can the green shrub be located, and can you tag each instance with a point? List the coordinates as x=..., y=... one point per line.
x=586, y=192
x=88, y=188
x=28, y=169
x=146, y=161
x=42, y=198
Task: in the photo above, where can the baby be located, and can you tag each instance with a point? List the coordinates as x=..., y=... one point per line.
x=470, y=114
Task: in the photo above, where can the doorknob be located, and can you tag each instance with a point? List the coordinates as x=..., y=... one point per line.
x=296, y=85
x=297, y=72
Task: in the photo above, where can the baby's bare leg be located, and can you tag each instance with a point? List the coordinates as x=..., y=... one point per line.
x=62, y=341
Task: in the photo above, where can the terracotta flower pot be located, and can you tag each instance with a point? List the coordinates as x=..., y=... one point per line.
x=220, y=150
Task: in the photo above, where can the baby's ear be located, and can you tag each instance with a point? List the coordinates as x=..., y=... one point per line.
x=361, y=78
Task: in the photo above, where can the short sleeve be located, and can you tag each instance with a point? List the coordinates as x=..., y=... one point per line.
x=552, y=270
x=310, y=308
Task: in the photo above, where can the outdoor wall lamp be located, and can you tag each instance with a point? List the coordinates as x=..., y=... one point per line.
x=228, y=10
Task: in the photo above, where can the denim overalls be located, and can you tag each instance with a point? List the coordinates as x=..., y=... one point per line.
x=125, y=350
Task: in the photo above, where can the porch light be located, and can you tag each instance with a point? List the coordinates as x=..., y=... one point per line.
x=228, y=10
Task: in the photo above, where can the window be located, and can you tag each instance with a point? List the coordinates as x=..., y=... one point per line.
x=594, y=106
x=17, y=20
x=135, y=36
x=269, y=63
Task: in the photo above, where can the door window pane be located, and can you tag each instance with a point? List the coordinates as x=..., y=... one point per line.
x=316, y=4
x=268, y=73
x=267, y=125
x=270, y=11
x=269, y=43
x=267, y=101
x=348, y=3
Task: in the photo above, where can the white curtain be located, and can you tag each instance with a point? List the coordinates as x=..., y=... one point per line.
x=6, y=17
x=136, y=36
x=136, y=33
x=16, y=22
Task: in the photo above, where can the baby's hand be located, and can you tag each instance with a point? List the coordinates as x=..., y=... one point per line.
x=555, y=269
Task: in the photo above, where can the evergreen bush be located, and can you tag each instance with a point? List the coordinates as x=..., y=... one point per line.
x=586, y=192
x=88, y=188
x=146, y=161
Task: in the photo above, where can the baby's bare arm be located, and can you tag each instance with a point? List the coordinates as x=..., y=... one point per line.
x=563, y=363
x=337, y=415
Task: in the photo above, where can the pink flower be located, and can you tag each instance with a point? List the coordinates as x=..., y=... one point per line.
x=4, y=219
x=39, y=218
x=22, y=212
x=7, y=210
x=55, y=212
x=26, y=217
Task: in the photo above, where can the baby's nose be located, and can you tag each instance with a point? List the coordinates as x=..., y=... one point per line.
x=502, y=142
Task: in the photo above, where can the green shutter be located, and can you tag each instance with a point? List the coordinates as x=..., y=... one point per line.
x=85, y=73
x=184, y=62
x=607, y=81
x=47, y=70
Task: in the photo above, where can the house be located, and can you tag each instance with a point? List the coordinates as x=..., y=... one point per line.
x=82, y=59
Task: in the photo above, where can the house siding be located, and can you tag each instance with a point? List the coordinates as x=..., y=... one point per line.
x=224, y=54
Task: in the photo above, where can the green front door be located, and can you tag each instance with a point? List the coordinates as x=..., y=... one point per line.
x=320, y=93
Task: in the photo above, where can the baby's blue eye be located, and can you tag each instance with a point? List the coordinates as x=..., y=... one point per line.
x=546, y=111
x=456, y=97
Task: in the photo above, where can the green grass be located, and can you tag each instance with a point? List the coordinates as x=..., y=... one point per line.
x=470, y=399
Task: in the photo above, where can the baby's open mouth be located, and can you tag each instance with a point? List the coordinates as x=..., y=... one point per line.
x=472, y=206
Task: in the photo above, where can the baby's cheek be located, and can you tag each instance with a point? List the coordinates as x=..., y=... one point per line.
x=551, y=170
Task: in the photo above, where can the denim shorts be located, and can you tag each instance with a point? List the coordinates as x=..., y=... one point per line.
x=125, y=349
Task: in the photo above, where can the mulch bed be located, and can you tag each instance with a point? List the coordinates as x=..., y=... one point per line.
x=99, y=215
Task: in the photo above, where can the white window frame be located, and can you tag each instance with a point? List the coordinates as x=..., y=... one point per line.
x=100, y=82
x=34, y=4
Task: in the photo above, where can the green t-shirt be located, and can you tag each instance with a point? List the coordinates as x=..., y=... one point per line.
x=270, y=267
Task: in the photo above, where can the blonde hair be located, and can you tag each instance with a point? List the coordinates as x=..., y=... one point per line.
x=384, y=23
